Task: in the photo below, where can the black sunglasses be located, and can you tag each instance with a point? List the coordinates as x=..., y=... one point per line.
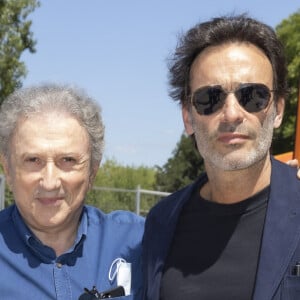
x=253, y=97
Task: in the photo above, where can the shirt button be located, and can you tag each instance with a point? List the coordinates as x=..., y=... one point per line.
x=58, y=265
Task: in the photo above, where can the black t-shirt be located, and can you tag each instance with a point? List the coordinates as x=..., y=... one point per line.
x=215, y=250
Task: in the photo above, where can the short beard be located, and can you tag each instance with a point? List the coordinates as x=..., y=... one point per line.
x=230, y=162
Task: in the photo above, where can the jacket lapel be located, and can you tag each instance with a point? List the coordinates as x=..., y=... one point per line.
x=163, y=226
x=281, y=231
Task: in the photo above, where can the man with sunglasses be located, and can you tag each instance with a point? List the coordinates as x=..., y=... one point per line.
x=235, y=232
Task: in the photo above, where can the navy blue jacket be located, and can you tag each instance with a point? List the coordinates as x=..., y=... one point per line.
x=280, y=249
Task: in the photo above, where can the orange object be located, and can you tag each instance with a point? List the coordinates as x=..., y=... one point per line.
x=285, y=157
x=297, y=133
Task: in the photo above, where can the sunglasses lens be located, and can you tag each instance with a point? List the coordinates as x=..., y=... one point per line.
x=208, y=100
x=253, y=97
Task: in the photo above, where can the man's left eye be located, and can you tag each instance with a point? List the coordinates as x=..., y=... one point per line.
x=69, y=160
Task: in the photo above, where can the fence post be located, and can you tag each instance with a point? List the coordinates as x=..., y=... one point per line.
x=2, y=191
x=138, y=200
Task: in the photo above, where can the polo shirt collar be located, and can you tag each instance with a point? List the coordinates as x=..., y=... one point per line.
x=45, y=253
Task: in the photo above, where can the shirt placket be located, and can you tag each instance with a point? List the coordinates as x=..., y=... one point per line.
x=62, y=281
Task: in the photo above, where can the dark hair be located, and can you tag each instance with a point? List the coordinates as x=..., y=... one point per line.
x=218, y=31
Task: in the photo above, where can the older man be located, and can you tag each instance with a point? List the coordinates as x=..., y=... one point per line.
x=235, y=232
x=52, y=245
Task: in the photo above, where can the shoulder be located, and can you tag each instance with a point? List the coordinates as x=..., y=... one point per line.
x=125, y=217
x=165, y=207
x=117, y=229
x=280, y=169
x=117, y=216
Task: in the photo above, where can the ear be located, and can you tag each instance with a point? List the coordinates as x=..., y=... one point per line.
x=187, y=119
x=279, y=112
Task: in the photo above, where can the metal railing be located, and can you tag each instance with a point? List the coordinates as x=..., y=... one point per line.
x=138, y=192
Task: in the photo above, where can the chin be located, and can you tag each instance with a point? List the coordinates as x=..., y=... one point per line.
x=234, y=161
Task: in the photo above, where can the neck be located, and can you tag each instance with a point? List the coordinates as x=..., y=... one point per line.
x=59, y=239
x=234, y=186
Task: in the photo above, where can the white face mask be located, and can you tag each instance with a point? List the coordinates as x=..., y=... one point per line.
x=121, y=270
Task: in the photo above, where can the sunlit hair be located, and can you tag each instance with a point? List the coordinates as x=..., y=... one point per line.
x=48, y=98
x=218, y=31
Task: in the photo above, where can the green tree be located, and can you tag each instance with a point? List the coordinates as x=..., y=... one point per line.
x=113, y=175
x=8, y=194
x=181, y=169
x=288, y=32
x=15, y=38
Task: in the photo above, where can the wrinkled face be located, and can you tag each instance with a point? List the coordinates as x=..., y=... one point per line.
x=49, y=170
x=232, y=138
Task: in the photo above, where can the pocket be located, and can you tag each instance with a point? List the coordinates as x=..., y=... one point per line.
x=291, y=288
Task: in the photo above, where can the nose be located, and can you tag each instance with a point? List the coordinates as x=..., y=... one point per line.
x=231, y=110
x=50, y=177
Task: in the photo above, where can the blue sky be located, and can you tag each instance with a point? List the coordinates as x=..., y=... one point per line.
x=116, y=50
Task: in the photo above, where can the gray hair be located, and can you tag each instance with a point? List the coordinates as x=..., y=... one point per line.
x=51, y=97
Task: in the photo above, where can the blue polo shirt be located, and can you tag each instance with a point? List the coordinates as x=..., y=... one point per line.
x=31, y=270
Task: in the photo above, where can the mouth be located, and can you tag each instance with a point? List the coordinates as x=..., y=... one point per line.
x=232, y=138
x=50, y=201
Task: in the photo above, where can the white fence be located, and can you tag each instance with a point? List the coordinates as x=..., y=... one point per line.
x=138, y=193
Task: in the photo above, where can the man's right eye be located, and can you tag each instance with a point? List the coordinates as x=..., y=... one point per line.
x=35, y=160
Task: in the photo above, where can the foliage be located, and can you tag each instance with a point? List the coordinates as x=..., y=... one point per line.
x=181, y=169
x=9, y=199
x=8, y=194
x=115, y=176
x=288, y=32
x=15, y=38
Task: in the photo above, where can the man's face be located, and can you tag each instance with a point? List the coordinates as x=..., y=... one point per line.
x=232, y=138
x=48, y=170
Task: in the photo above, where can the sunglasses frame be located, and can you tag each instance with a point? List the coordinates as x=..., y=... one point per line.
x=223, y=94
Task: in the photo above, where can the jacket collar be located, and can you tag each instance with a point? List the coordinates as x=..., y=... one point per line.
x=163, y=223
